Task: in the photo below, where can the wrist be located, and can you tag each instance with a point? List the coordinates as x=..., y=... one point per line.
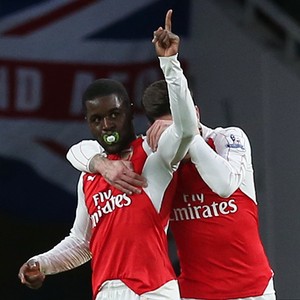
x=97, y=164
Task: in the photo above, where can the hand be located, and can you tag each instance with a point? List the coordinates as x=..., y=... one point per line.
x=166, y=43
x=155, y=131
x=120, y=174
x=30, y=275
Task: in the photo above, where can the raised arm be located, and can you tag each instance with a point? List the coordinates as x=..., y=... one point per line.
x=175, y=140
x=184, y=126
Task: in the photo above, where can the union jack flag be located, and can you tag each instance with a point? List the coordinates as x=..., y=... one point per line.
x=50, y=51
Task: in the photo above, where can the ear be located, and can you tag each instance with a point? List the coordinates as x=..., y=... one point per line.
x=198, y=116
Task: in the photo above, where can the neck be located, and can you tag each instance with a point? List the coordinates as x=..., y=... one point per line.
x=186, y=158
x=126, y=154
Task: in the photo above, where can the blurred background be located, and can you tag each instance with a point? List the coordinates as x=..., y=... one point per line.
x=241, y=58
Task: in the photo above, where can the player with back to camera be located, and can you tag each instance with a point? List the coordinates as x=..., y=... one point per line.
x=125, y=235
x=214, y=218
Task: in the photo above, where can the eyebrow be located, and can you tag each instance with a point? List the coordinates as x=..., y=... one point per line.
x=112, y=110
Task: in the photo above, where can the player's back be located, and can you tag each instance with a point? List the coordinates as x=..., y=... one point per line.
x=220, y=251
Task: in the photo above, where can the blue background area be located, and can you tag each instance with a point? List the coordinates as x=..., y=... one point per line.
x=30, y=197
x=7, y=7
x=140, y=25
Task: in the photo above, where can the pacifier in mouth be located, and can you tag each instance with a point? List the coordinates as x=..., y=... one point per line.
x=111, y=138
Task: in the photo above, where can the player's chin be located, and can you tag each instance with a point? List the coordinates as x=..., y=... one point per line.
x=112, y=149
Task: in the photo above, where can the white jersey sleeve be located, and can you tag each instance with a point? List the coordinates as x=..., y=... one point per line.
x=73, y=251
x=175, y=140
x=227, y=168
x=80, y=154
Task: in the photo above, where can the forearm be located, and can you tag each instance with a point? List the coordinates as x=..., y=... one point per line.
x=89, y=157
x=98, y=164
x=68, y=254
x=217, y=172
x=86, y=156
x=181, y=102
x=175, y=141
x=73, y=251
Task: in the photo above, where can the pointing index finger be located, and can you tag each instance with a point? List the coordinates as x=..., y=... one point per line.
x=168, y=22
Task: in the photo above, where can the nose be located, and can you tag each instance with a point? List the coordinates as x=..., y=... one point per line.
x=107, y=124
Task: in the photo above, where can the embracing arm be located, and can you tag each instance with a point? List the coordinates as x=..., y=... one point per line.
x=70, y=253
x=81, y=155
x=227, y=168
x=88, y=156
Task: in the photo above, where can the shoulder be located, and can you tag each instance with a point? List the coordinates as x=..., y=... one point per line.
x=86, y=145
x=227, y=132
x=230, y=137
x=92, y=143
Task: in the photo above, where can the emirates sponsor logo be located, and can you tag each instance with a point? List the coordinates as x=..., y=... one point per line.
x=105, y=203
x=193, y=211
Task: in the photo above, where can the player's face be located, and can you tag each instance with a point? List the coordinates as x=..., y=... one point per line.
x=110, y=122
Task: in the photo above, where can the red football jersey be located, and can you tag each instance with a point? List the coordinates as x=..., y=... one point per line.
x=128, y=234
x=219, y=246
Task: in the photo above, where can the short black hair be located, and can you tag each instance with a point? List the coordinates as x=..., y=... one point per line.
x=104, y=87
x=155, y=100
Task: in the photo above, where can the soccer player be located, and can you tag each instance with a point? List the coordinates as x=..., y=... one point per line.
x=214, y=218
x=125, y=235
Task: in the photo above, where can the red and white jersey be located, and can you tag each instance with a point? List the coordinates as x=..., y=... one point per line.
x=126, y=235
x=128, y=238
x=217, y=237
